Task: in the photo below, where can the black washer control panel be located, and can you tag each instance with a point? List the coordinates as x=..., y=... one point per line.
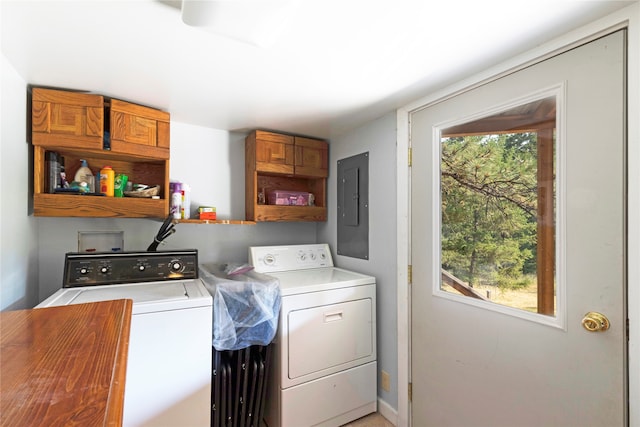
x=109, y=268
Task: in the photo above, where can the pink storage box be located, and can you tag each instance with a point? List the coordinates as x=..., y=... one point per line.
x=288, y=198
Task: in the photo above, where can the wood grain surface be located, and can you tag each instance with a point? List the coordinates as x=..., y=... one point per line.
x=64, y=365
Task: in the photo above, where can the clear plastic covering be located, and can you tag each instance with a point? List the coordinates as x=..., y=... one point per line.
x=246, y=305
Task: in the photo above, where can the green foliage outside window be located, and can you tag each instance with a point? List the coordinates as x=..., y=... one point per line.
x=489, y=203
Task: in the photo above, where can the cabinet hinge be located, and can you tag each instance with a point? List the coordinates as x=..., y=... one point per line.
x=410, y=156
x=409, y=273
x=410, y=391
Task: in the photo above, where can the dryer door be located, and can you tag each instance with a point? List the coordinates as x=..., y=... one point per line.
x=329, y=336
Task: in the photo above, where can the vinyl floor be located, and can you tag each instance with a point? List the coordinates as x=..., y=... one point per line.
x=371, y=420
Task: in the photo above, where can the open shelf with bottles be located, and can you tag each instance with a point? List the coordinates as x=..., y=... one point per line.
x=74, y=205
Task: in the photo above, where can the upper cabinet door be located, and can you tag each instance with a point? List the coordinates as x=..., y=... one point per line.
x=67, y=119
x=274, y=153
x=311, y=156
x=146, y=128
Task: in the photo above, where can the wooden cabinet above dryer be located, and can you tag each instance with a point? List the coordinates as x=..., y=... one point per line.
x=276, y=161
x=289, y=154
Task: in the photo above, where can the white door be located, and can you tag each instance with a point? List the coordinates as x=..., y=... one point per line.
x=477, y=360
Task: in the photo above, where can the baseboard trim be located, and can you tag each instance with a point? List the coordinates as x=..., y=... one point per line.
x=387, y=411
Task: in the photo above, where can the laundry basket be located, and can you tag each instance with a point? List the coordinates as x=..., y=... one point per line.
x=246, y=307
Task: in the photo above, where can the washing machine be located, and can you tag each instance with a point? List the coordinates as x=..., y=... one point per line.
x=168, y=379
x=325, y=368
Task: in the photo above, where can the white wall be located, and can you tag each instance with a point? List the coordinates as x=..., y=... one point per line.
x=18, y=232
x=211, y=161
x=379, y=139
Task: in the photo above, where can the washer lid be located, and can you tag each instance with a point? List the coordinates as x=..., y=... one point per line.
x=319, y=279
x=140, y=293
x=147, y=297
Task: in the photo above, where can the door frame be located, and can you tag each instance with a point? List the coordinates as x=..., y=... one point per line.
x=628, y=18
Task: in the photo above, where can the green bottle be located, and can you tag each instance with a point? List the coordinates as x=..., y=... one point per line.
x=119, y=184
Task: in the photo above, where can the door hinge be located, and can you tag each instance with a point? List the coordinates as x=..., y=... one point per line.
x=410, y=274
x=410, y=391
x=627, y=330
x=410, y=156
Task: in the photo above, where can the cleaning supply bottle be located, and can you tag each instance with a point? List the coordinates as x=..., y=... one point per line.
x=107, y=177
x=120, y=184
x=176, y=200
x=186, y=202
x=84, y=176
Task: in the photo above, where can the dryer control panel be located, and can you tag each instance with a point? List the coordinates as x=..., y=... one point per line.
x=82, y=269
x=267, y=259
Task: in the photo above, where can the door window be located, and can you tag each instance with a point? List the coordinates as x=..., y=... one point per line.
x=498, y=204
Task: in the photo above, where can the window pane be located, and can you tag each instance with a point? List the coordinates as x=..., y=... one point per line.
x=498, y=202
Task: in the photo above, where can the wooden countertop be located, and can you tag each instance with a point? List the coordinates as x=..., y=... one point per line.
x=64, y=365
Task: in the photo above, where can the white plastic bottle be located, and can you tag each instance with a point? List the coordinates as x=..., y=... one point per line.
x=84, y=176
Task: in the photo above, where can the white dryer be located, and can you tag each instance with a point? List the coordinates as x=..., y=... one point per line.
x=325, y=369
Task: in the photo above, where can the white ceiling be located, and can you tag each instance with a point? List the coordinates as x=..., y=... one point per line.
x=335, y=65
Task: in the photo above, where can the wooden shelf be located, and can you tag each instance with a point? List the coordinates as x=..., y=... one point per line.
x=289, y=213
x=74, y=205
x=214, y=221
x=134, y=153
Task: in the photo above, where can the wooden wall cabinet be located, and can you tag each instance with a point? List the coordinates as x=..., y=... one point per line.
x=67, y=119
x=138, y=130
x=277, y=161
x=77, y=125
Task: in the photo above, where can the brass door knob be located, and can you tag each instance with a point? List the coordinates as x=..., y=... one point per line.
x=595, y=322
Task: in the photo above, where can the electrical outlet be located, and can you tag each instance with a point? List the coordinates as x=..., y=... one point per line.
x=386, y=381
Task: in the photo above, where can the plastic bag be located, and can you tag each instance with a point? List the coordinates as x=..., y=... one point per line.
x=246, y=307
x=235, y=269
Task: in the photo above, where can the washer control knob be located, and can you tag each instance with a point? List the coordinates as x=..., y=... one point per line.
x=104, y=269
x=269, y=259
x=176, y=266
x=141, y=267
x=84, y=270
